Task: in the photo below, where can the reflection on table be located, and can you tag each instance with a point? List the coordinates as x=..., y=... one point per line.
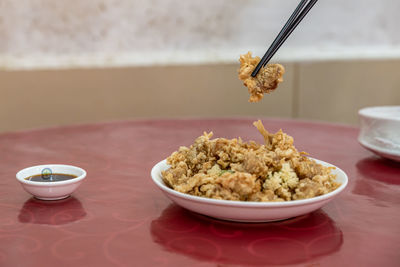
x=51, y=212
x=288, y=242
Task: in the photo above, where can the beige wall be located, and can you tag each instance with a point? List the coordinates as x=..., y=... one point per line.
x=329, y=91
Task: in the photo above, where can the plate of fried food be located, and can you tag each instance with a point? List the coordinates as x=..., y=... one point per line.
x=234, y=180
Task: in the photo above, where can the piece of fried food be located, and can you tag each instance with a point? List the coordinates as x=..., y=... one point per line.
x=266, y=81
x=246, y=171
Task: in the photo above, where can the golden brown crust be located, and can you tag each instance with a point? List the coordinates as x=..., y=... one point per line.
x=246, y=171
x=267, y=79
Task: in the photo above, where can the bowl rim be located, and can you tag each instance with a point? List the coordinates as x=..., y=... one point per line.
x=22, y=178
x=156, y=175
x=367, y=113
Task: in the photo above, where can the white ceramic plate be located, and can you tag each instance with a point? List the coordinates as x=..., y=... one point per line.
x=380, y=130
x=381, y=151
x=247, y=211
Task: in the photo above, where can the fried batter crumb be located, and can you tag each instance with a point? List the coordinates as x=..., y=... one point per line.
x=267, y=79
x=246, y=171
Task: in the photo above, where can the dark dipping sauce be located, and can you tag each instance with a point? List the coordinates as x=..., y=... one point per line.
x=55, y=177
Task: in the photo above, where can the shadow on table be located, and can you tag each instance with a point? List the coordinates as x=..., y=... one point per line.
x=51, y=212
x=380, y=169
x=202, y=238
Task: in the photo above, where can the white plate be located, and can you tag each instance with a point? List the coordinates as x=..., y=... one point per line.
x=242, y=211
x=380, y=130
x=381, y=151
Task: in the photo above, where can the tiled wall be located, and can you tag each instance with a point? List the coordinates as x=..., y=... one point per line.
x=334, y=91
x=328, y=91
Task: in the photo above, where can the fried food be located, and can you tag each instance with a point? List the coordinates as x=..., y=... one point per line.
x=246, y=171
x=267, y=79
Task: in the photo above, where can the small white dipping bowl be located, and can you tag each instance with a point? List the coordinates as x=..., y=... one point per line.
x=380, y=130
x=51, y=190
x=243, y=211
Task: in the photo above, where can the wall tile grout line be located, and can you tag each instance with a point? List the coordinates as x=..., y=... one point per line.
x=296, y=88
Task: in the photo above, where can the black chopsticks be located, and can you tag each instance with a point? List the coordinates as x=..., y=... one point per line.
x=298, y=15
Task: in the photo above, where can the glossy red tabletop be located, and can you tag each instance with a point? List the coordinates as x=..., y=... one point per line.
x=118, y=217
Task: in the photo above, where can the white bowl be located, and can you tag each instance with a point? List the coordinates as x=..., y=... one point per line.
x=380, y=130
x=51, y=190
x=242, y=211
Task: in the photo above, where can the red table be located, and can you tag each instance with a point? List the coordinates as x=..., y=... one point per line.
x=119, y=218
